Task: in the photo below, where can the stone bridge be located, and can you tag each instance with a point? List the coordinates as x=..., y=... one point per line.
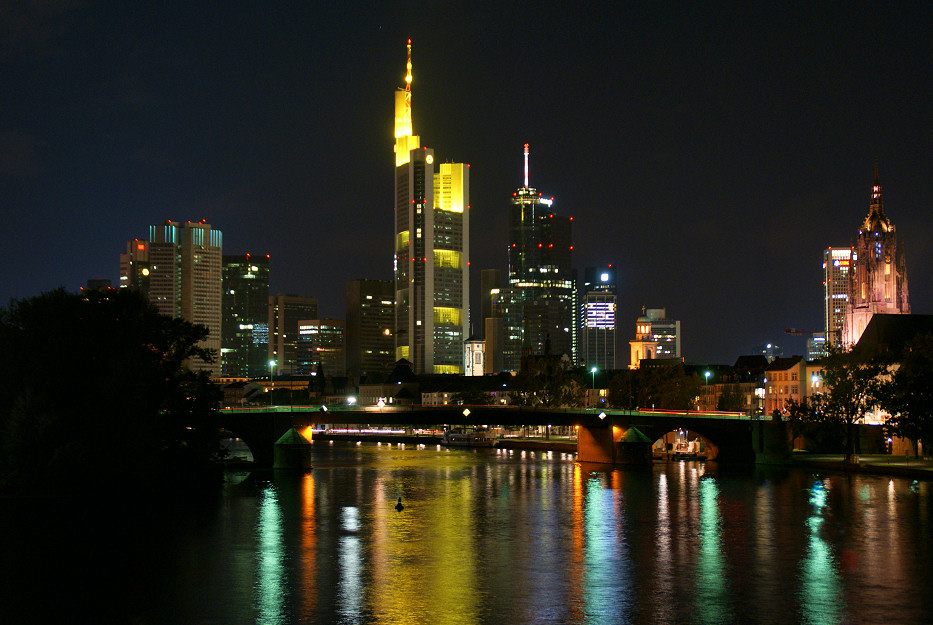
x=601, y=434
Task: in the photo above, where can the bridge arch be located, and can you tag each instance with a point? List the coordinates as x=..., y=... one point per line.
x=725, y=439
x=679, y=443
x=727, y=436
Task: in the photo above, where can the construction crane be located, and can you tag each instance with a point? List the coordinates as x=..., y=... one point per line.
x=796, y=331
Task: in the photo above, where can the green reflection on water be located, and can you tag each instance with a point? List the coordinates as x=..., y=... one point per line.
x=606, y=583
x=820, y=589
x=713, y=604
x=272, y=588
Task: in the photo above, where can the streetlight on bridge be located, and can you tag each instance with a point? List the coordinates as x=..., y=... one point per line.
x=593, y=372
x=272, y=378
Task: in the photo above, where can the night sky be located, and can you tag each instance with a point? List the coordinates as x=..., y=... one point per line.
x=708, y=153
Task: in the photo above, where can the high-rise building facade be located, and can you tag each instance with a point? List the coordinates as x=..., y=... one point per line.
x=817, y=346
x=598, y=318
x=320, y=348
x=134, y=266
x=491, y=290
x=666, y=332
x=540, y=272
x=835, y=291
x=370, y=345
x=877, y=271
x=431, y=249
x=245, y=337
x=284, y=313
x=499, y=342
x=180, y=270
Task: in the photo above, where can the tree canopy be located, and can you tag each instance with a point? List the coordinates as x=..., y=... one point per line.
x=666, y=387
x=908, y=394
x=854, y=386
x=547, y=381
x=97, y=397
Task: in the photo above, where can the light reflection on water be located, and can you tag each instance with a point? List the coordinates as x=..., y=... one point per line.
x=501, y=537
x=272, y=587
x=712, y=596
x=820, y=588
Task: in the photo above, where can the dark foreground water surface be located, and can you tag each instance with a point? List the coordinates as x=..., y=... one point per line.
x=487, y=536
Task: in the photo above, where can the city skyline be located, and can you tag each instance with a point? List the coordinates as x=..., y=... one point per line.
x=711, y=157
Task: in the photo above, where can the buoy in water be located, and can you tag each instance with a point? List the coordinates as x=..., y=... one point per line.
x=399, y=505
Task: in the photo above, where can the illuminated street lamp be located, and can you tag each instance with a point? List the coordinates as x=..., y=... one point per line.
x=272, y=377
x=707, y=374
x=593, y=372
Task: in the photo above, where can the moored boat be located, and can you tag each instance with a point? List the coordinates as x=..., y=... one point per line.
x=469, y=438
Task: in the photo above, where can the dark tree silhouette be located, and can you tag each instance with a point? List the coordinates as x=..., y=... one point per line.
x=97, y=397
x=854, y=389
x=908, y=394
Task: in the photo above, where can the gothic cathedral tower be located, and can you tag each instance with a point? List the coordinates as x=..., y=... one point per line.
x=877, y=274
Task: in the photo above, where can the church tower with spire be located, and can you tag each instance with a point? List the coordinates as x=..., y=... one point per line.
x=877, y=272
x=431, y=262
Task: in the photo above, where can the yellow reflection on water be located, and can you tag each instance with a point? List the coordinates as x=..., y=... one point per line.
x=576, y=543
x=421, y=572
x=308, y=541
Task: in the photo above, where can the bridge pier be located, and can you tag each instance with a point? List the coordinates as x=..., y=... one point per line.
x=613, y=444
x=595, y=444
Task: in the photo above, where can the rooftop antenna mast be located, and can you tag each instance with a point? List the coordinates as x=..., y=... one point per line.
x=408, y=81
x=408, y=69
x=526, y=165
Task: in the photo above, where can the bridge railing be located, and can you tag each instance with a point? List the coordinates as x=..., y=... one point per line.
x=459, y=408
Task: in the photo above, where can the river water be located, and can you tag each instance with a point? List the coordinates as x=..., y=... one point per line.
x=484, y=536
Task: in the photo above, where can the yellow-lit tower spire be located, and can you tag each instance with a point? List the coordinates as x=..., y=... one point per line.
x=432, y=249
x=405, y=139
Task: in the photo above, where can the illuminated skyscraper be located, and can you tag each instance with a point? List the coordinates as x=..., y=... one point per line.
x=877, y=273
x=431, y=249
x=320, y=347
x=245, y=339
x=540, y=272
x=835, y=291
x=598, y=318
x=183, y=268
